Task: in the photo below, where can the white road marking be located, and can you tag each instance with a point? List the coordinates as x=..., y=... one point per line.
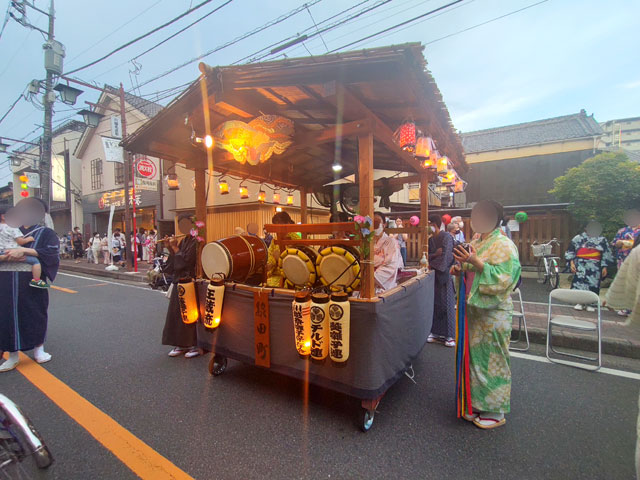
x=608, y=371
x=147, y=289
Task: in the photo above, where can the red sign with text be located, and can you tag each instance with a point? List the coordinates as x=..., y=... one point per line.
x=146, y=168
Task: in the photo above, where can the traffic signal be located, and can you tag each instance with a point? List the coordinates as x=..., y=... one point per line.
x=24, y=186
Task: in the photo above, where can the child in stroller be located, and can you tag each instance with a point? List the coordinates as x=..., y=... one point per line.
x=159, y=277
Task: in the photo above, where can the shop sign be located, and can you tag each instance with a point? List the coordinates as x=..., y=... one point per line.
x=116, y=198
x=146, y=184
x=112, y=150
x=146, y=168
x=116, y=126
x=34, y=179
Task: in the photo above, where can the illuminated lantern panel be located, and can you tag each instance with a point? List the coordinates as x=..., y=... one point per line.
x=213, y=303
x=188, y=301
x=244, y=192
x=276, y=198
x=172, y=181
x=443, y=165
x=290, y=199
x=301, y=307
x=423, y=147
x=339, y=327
x=262, y=196
x=224, y=187
x=460, y=186
x=319, y=315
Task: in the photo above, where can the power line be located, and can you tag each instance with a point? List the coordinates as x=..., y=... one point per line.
x=116, y=30
x=401, y=24
x=232, y=42
x=137, y=39
x=12, y=107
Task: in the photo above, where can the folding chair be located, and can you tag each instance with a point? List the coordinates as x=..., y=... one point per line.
x=522, y=321
x=573, y=297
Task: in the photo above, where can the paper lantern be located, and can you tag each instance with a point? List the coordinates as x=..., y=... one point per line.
x=339, y=328
x=521, y=217
x=213, y=302
x=449, y=178
x=188, y=301
x=262, y=196
x=443, y=165
x=423, y=148
x=276, y=198
x=319, y=316
x=446, y=218
x=405, y=136
x=414, y=220
x=172, y=182
x=460, y=186
x=24, y=193
x=290, y=199
x=223, y=186
x=301, y=307
x=244, y=192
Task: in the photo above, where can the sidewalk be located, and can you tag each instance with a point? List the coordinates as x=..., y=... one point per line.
x=92, y=269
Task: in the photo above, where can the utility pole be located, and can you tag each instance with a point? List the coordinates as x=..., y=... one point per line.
x=127, y=174
x=49, y=99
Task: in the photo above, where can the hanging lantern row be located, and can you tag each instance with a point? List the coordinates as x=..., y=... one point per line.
x=24, y=186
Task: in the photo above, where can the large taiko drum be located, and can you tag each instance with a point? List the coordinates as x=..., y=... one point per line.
x=237, y=258
x=298, y=264
x=339, y=268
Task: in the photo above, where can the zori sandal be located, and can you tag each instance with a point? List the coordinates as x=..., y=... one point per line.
x=488, y=423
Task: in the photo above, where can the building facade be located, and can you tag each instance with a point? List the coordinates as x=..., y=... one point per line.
x=103, y=175
x=622, y=134
x=517, y=164
x=66, y=176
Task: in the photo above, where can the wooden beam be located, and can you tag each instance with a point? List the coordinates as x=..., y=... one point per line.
x=319, y=241
x=351, y=107
x=398, y=181
x=424, y=215
x=365, y=177
x=314, y=228
x=330, y=134
x=303, y=208
x=201, y=212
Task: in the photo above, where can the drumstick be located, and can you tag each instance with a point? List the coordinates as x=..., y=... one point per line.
x=167, y=239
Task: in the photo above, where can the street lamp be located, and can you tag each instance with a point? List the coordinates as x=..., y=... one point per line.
x=68, y=94
x=3, y=146
x=92, y=119
x=15, y=161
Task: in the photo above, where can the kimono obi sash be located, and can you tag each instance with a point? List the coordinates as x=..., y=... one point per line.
x=589, y=254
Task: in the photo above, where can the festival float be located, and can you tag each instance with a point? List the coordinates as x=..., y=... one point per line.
x=301, y=124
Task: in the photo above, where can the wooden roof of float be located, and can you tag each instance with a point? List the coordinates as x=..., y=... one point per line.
x=372, y=90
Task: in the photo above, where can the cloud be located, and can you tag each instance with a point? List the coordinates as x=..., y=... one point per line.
x=631, y=85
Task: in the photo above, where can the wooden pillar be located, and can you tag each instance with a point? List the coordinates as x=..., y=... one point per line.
x=201, y=211
x=365, y=177
x=303, y=208
x=424, y=215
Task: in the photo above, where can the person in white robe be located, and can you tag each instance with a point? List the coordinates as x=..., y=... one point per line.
x=387, y=259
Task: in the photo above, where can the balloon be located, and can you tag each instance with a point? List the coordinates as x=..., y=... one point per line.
x=414, y=220
x=446, y=218
x=521, y=217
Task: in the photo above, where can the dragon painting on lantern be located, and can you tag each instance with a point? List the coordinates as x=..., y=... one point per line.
x=256, y=141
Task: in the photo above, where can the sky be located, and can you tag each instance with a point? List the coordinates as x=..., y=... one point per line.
x=551, y=59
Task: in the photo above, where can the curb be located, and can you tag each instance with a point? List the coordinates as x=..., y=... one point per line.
x=119, y=275
x=615, y=347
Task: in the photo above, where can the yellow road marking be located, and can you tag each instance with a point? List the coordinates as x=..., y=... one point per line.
x=62, y=289
x=133, y=452
x=95, y=285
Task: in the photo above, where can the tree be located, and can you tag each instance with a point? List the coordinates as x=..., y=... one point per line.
x=601, y=189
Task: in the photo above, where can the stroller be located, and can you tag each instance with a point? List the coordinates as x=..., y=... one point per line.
x=159, y=277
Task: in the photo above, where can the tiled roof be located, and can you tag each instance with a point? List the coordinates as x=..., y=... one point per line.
x=557, y=129
x=150, y=109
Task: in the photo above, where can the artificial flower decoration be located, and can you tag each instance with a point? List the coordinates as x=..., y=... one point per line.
x=256, y=141
x=195, y=230
x=364, y=232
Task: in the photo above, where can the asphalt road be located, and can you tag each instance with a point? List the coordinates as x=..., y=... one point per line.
x=250, y=423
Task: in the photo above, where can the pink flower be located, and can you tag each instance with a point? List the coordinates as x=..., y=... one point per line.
x=199, y=238
x=193, y=232
x=359, y=219
x=199, y=224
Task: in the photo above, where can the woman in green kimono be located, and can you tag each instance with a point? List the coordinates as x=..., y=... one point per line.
x=493, y=258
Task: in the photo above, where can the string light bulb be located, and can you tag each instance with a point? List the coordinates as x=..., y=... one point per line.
x=276, y=198
x=262, y=196
x=244, y=192
x=290, y=199
x=223, y=187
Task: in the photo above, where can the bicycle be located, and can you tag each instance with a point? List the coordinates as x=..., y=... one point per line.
x=19, y=439
x=548, y=267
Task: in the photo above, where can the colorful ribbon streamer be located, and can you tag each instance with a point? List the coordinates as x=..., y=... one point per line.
x=463, y=386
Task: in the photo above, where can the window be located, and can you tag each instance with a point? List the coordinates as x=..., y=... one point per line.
x=96, y=174
x=414, y=192
x=119, y=172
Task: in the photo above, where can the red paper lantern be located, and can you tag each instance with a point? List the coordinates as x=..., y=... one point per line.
x=446, y=218
x=406, y=136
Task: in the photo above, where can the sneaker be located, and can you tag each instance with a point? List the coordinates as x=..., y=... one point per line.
x=578, y=307
x=177, y=351
x=623, y=313
x=590, y=309
x=450, y=342
x=194, y=352
x=38, y=284
x=434, y=338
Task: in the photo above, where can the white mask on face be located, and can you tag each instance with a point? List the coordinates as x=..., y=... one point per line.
x=461, y=225
x=378, y=231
